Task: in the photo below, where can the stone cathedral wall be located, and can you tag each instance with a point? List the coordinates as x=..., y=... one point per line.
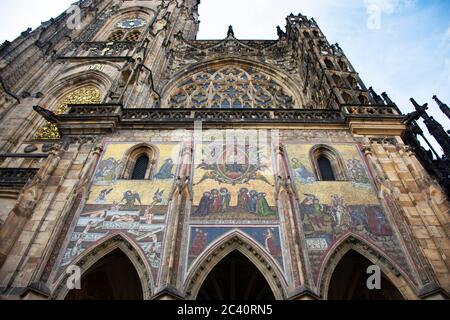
x=206, y=192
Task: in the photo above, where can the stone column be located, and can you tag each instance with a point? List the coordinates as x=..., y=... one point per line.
x=78, y=197
x=287, y=202
x=28, y=199
x=176, y=221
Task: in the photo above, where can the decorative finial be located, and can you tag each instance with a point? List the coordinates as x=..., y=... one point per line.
x=445, y=108
x=418, y=107
x=388, y=100
x=375, y=96
x=416, y=115
x=280, y=32
x=230, y=31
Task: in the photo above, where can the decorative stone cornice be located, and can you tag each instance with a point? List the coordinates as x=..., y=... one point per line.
x=107, y=118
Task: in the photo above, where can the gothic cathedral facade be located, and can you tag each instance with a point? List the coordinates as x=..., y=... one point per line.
x=159, y=166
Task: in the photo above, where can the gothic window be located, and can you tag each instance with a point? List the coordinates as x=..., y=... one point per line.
x=116, y=36
x=337, y=80
x=133, y=36
x=329, y=64
x=326, y=170
x=84, y=95
x=127, y=30
x=328, y=164
x=352, y=82
x=140, y=168
x=347, y=98
x=230, y=88
x=363, y=99
x=139, y=162
x=343, y=65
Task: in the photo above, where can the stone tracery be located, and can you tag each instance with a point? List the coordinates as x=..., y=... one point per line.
x=231, y=87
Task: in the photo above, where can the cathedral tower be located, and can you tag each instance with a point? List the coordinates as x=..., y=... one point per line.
x=165, y=167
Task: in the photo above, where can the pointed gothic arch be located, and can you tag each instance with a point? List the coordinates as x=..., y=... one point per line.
x=333, y=160
x=351, y=277
x=77, y=76
x=83, y=93
x=110, y=26
x=131, y=157
x=116, y=241
x=235, y=241
x=280, y=91
x=73, y=79
x=235, y=278
x=354, y=243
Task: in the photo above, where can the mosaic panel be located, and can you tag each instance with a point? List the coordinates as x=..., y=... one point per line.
x=234, y=184
x=330, y=210
x=202, y=237
x=136, y=207
x=234, y=189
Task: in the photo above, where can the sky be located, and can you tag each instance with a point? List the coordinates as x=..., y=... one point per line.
x=398, y=46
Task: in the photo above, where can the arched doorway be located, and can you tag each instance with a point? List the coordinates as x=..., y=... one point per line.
x=349, y=281
x=235, y=278
x=111, y=278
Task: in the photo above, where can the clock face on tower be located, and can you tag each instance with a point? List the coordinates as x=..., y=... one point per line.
x=131, y=24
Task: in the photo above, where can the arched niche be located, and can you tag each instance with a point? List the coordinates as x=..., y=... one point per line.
x=88, y=260
x=236, y=241
x=370, y=255
x=231, y=84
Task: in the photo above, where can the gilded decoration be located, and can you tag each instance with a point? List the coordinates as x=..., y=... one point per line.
x=85, y=95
